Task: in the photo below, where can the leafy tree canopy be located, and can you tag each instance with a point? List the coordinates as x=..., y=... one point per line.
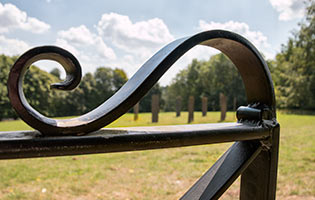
x=294, y=67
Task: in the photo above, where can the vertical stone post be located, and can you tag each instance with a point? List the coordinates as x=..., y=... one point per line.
x=191, y=102
x=204, y=101
x=178, y=106
x=223, y=106
x=136, y=112
x=155, y=108
x=234, y=104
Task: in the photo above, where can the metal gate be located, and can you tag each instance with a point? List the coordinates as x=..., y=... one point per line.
x=253, y=156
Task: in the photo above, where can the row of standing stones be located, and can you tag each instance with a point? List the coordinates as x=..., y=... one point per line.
x=155, y=108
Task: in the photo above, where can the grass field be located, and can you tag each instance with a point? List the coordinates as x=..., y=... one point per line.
x=154, y=174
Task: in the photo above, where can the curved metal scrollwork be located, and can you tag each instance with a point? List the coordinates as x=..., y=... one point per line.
x=243, y=54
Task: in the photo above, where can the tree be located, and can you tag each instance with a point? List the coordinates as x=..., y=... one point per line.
x=294, y=67
x=56, y=72
x=206, y=78
x=93, y=90
x=224, y=79
x=108, y=81
x=36, y=88
x=145, y=102
x=6, y=111
x=119, y=78
x=80, y=100
x=37, y=91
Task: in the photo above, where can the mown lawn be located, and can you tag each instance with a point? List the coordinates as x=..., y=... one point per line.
x=154, y=174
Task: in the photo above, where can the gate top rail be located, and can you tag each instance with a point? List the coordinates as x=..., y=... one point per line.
x=27, y=144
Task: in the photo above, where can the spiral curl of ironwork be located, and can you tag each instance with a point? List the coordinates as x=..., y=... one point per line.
x=243, y=54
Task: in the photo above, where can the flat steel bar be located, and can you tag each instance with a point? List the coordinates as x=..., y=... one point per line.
x=224, y=172
x=27, y=144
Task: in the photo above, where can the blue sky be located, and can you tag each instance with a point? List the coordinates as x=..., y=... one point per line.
x=125, y=34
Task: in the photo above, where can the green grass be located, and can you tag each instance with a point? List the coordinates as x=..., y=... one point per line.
x=144, y=120
x=154, y=174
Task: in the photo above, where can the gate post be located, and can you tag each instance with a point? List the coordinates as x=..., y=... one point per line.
x=259, y=180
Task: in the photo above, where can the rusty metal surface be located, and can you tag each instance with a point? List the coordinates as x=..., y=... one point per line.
x=243, y=54
x=26, y=144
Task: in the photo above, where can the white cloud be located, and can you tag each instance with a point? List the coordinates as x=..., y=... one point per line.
x=82, y=37
x=78, y=35
x=64, y=44
x=256, y=37
x=13, y=18
x=140, y=38
x=35, y=26
x=87, y=47
x=12, y=46
x=103, y=50
x=289, y=9
x=136, y=41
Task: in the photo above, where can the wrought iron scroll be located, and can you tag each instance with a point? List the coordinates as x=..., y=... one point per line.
x=243, y=54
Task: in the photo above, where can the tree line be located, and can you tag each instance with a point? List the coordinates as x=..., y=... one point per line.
x=197, y=80
x=292, y=70
x=206, y=79
x=92, y=91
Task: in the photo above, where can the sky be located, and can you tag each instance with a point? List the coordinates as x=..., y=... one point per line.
x=124, y=34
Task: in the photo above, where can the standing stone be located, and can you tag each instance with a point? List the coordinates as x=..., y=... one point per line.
x=223, y=105
x=178, y=106
x=191, y=102
x=204, y=106
x=155, y=108
x=136, y=112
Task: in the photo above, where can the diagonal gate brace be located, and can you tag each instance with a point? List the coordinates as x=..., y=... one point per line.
x=224, y=172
